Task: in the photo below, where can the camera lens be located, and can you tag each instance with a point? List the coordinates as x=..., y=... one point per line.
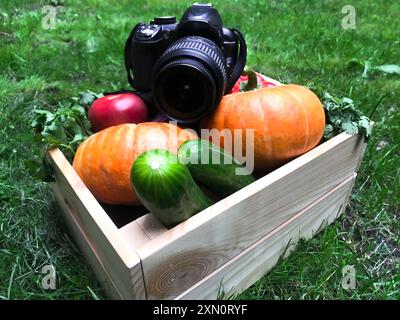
x=189, y=79
x=184, y=90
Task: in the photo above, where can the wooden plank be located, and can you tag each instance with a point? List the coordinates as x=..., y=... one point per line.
x=133, y=235
x=360, y=158
x=141, y=230
x=243, y=270
x=88, y=251
x=178, y=258
x=151, y=226
x=121, y=261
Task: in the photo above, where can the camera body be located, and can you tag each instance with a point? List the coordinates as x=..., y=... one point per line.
x=184, y=68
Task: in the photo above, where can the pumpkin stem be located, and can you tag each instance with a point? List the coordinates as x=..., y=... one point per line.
x=252, y=82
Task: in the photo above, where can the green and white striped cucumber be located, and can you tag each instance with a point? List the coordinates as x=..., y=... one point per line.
x=211, y=166
x=166, y=188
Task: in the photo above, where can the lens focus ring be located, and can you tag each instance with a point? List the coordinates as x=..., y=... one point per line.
x=204, y=45
x=189, y=79
x=168, y=93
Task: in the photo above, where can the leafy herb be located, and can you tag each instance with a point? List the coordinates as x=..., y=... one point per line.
x=66, y=128
x=343, y=115
x=86, y=98
x=369, y=67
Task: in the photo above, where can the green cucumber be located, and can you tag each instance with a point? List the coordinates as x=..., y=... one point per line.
x=211, y=166
x=166, y=188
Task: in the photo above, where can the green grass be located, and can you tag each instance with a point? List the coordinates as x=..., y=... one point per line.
x=293, y=41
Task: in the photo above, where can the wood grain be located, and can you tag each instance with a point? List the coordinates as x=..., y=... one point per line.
x=145, y=260
x=151, y=226
x=184, y=255
x=119, y=260
x=247, y=267
x=88, y=250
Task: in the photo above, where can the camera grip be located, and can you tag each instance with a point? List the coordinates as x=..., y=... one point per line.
x=127, y=55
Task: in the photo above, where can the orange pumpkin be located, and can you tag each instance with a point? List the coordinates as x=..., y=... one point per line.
x=288, y=120
x=104, y=160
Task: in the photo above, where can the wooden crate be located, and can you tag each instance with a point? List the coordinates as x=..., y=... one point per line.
x=223, y=249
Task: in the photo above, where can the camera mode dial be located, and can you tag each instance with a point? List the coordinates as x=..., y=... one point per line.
x=147, y=31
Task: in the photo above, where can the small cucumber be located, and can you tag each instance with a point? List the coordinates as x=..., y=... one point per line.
x=166, y=188
x=211, y=166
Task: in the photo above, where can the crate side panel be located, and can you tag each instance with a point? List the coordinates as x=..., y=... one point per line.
x=182, y=256
x=246, y=268
x=88, y=251
x=121, y=262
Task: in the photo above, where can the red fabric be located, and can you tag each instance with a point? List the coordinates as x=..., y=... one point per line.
x=262, y=81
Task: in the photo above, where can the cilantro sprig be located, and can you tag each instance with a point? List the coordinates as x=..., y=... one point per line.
x=343, y=116
x=66, y=128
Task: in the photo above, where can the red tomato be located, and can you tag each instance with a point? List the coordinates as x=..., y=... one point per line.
x=115, y=109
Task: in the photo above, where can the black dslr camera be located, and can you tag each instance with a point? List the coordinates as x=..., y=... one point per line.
x=185, y=68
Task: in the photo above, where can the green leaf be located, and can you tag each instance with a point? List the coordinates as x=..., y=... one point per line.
x=347, y=101
x=328, y=133
x=365, y=124
x=389, y=68
x=79, y=137
x=86, y=98
x=350, y=127
x=66, y=128
x=343, y=115
x=369, y=66
x=78, y=110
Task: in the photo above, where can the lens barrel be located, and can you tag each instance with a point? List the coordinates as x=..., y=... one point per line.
x=189, y=79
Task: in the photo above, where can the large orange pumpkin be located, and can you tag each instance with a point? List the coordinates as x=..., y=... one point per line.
x=288, y=120
x=104, y=160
